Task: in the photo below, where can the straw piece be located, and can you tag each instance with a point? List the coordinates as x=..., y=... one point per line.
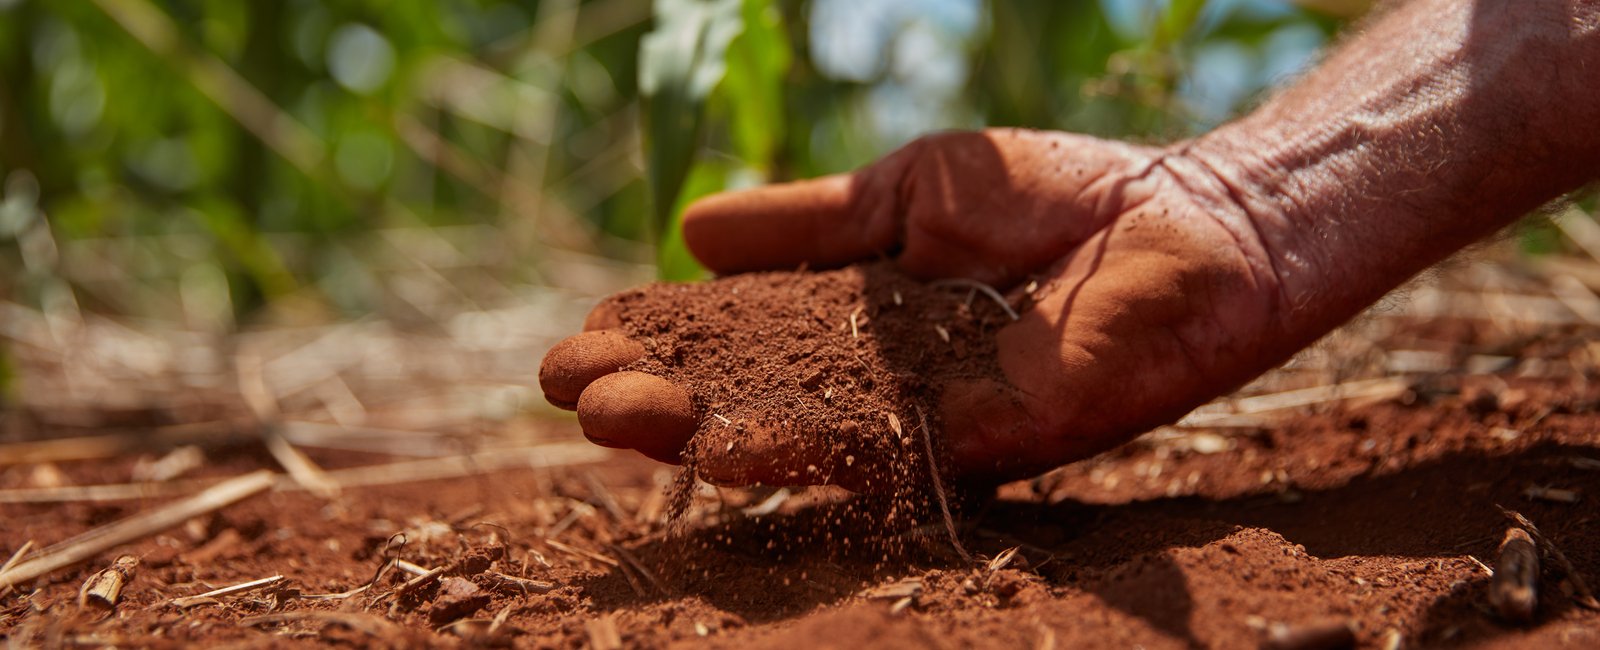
x=211, y=596
x=99, y=540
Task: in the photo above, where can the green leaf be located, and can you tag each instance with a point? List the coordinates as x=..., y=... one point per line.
x=674, y=260
x=680, y=63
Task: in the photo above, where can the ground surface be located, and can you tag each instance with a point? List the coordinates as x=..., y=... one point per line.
x=1372, y=510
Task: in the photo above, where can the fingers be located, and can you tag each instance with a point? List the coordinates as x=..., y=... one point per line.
x=826, y=222
x=773, y=456
x=579, y=360
x=634, y=410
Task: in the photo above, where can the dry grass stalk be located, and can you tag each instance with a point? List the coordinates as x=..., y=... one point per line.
x=633, y=563
x=411, y=568
x=186, y=602
x=1581, y=229
x=102, y=590
x=986, y=289
x=173, y=464
x=1514, y=590
x=99, y=540
x=538, y=456
x=301, y=468
x=1577, y=296
x=605, y=497
x=938, y=488
x=1582, y=595
x=17, y=556
x=258, y=396
x=1004, y=559
x=365, y=623
x=1244, y=410
x=583, y=553
x=107, y=446
x=103, y=493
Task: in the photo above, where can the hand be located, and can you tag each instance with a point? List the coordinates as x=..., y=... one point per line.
x=1155, y=294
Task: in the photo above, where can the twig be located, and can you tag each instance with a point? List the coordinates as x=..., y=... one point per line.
x=526, y=585
x=102, y=590
x=1582, y=596
x=409, y=586
x=98, y=540
x=938, y=488
x=186, y=602
x=1514, y=590
x=986, y=289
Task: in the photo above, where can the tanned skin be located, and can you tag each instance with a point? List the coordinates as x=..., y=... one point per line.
x=1175, y=274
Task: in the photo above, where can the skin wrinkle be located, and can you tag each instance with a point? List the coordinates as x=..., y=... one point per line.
x=1236, y=202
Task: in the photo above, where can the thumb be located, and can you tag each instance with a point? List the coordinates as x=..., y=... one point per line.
x=824, y=222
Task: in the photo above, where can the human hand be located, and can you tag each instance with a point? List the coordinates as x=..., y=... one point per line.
x=1155, y=293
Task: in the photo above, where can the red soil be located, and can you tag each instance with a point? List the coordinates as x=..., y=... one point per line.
x=1369, y=515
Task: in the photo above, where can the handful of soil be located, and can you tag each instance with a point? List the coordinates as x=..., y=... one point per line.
x=842, y=368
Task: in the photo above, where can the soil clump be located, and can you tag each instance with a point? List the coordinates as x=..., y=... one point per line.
x=850, y=361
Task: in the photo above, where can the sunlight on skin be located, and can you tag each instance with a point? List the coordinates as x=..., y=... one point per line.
x=1171, y=275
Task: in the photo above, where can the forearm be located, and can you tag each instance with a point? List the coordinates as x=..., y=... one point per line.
x=1442, y=122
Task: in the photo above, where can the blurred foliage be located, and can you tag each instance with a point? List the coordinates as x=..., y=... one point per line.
x=215, y=162
x=680, y=63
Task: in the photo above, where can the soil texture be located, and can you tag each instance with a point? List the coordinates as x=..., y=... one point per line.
x=1372, y=520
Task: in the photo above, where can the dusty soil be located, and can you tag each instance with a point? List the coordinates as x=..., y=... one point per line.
x=1375, y=515
x=849, y=361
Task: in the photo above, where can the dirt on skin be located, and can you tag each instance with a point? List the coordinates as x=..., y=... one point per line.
x=849, y=359
x=1376, y=518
